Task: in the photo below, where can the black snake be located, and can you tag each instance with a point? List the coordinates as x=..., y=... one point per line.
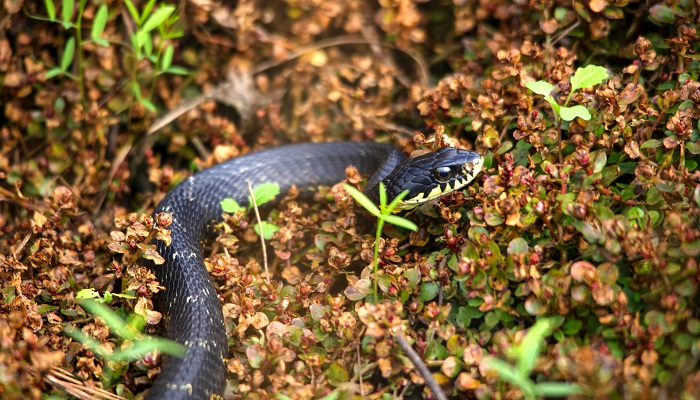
x=190, y=301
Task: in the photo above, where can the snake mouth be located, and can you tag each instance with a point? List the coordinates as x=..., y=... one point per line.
x=449, y=170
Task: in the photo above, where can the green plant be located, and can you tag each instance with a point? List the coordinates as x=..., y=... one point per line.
x=588, y=76
x=106, y=297
x=142, y=41
x=164, y=19
x=263, y=193
x=526, y=354
x=69, y=53
x=384, y=213
x=134, y=344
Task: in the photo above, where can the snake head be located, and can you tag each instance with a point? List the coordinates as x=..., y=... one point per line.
x=432, y=175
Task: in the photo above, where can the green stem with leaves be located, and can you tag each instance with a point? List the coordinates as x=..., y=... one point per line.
x=384, y=213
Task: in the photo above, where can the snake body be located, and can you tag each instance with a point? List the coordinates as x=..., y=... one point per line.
x=190, y=302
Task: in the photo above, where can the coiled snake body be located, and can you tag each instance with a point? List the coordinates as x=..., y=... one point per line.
x=190, y=300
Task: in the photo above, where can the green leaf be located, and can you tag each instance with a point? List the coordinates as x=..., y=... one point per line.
x=52, y=72
x=148, y=45
x=177, y=70
x=529, y=348
x=67, y=12
x=142, y=347
x=363, y=200
x=133, y=11
x=510, y=375
x=540, y=87
x=400, y=221
x=231, y=206
x=569, y=113
x=139, y=39
x=87, y=341
x=492, y=319
x=268, y=229
x=395, y=202
x=68, y=53
x=108, y=297
x=334, y=395
x=147, y=10
x=518, y=246
x=588, y=76
x=571, y=327
x=265, y=192
x=557, y=389
x=167, y=58
x=157, y=18
x=635, y=212
x=99, y=23
x=662, y=13
x=50, y=9
x=149, y=105
x=428, y=290
x=693, y=147
x=599, y=162
x=112, y=320
x=650, y=144
x=336, y=374
x=88, y=293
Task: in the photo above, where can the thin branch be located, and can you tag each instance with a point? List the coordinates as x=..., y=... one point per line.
x=420, y=365
x=260, y=227
x=66, y=381
x=222, y=91
x=16, y=198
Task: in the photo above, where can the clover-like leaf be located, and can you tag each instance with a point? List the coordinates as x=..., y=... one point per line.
x=98, y=25
x=265, y=192
x=268, y=229
x=569, y=113
x=588, y=76
x=540, y=87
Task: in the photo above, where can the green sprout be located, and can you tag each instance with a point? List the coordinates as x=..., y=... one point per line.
x=263, y=193
x=135, y=344
x=163, y=19
x=588, y=76
x=384, y=213
x=526, y=354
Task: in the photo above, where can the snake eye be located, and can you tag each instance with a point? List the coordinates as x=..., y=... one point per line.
x=442, y=174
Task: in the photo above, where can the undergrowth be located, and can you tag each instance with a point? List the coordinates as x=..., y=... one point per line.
x=587, y=225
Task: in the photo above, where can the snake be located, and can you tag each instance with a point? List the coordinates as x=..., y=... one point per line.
x=190, y=303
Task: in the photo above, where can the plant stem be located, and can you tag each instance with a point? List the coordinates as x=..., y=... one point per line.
x=420, y=366
x=79, y=45
x=380, y=226
x=559, y=139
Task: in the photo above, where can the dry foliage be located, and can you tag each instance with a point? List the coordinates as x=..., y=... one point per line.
x=606, y=240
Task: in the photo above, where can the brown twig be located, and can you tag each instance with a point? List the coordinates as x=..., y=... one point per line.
x=420, y=365
x=616, y=197
x=21, y=201
x=260, y=226
x=66, y=381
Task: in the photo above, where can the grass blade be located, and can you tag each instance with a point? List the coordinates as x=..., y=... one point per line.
x=68, y=53
x=99, y=23
x=529, y=349
x=50, y=9
x=363, y=200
